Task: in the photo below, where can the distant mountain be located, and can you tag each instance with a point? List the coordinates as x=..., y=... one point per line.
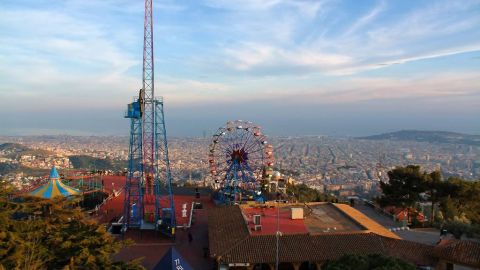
x=428, y=136
x=91, y=163
x=15, y=150
x=6, y=168
x=14, y=147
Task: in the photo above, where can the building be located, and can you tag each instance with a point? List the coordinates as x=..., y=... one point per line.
x=240, y=239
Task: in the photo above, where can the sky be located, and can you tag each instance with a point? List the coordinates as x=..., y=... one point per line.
x=295, y=67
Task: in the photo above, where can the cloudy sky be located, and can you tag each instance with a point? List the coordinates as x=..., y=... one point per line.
x=296, y=67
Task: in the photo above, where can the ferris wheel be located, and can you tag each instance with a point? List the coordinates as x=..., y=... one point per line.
x=238, y=157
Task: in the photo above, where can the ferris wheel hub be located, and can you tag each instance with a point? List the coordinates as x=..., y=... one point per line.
x=239, y=156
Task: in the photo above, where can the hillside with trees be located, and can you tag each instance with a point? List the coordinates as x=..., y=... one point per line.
x=93, y=163
x=303, y=193
x=6, y=168
x=428, y=136
x=456, y=199
x=15, y=150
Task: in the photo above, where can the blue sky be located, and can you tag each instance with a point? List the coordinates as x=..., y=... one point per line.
x=293, y=66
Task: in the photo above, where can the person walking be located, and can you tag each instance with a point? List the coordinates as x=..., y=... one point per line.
x=190, y=237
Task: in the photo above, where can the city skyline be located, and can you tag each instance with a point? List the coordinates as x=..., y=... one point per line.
x=296, y=67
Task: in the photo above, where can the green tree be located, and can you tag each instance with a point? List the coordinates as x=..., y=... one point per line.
x=458, y=198
x=53, y=234
x=465, y=198
x=448, y=208
x=367, y=262
x=404, y=187
x=434, y=189
x=304, y=193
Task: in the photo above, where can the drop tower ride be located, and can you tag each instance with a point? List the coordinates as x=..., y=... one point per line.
x=149, y=201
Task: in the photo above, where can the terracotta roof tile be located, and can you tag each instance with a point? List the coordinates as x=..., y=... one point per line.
x=333, y=246
x=420, y=254
x=230, y=241
x=459, y=251
x=303, y=247
x=226, y=227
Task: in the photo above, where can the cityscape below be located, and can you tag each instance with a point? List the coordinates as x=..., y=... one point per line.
x=344, y=166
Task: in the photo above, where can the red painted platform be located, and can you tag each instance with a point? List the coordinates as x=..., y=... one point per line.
x=113, y=182
x=113, y=209
x=269, y=221
x=153, y=246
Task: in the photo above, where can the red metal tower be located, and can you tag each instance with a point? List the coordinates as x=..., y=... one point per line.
x=149, y=113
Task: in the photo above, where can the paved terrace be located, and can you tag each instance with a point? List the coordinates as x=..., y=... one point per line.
x=151, y=245
x=112, y=210
x=318, y=218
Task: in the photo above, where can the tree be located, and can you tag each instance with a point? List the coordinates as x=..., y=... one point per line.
x=367, y=262
x=458, y=198
x=53, y=234
x=404, y=187
x=304, y=193
x=433, y=183
x=449, y=210
x=464, y=195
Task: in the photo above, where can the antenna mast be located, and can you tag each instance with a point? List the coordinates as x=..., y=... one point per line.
x=149, y=88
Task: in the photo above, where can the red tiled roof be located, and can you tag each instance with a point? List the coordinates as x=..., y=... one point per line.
x=231, y=242
x=305, y=247
x=418, y=253
x=460, y=252
x=333, y=246
x=226, y=228
x=261, y=249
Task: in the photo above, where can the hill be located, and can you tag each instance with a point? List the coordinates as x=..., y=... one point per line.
x=91, y=163
x=13, y=147
x=6, y=168
x=428, y=136
x=15, y=150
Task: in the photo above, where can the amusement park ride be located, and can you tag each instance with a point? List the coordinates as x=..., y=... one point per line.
x=149, y=201
x=239, y=158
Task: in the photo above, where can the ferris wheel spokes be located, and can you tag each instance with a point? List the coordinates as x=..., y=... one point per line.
x=239, y=152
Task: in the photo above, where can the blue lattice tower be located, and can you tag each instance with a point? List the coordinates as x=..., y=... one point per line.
x=149, y=167
x=164, y=203
x=133, y=204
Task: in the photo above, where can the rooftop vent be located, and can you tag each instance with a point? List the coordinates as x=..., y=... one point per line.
x=297, y=213
x=257, y=219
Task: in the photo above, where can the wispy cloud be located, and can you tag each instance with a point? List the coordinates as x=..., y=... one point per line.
x=242, y=4
x=79, y=54
x=59, y=59
x=368, y=42
x=259, y=56
x=365, y=19
x=442, y=88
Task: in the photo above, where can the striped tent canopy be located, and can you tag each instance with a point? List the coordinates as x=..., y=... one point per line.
x=54, y=187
